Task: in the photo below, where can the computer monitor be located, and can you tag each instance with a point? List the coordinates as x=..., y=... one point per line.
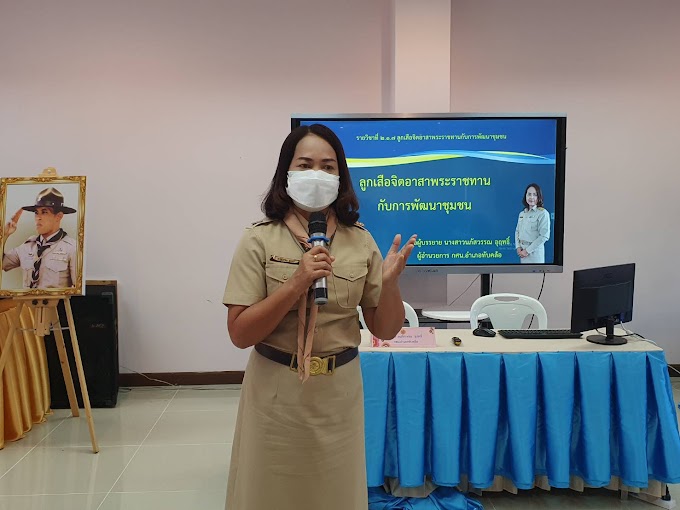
x=459, y=181
x=602, y=297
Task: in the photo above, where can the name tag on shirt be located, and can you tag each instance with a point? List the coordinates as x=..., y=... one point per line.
x=408, y=337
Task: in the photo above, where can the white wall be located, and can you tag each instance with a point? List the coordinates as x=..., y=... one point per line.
x=612, y=66
x=175, y=110
x=422, y=54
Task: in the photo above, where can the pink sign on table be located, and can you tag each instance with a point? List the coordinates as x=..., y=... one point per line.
x=408, y=337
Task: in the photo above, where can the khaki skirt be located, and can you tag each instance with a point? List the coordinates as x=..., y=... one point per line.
x=298, y=446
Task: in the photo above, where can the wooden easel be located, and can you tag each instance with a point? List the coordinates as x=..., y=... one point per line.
x=46, y=319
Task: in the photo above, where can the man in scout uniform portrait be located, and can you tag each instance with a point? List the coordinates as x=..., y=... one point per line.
x=48, y=260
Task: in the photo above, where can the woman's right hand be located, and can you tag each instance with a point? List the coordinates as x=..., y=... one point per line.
x=314, y=264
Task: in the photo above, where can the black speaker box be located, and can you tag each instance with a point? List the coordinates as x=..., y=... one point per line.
x=95, y=317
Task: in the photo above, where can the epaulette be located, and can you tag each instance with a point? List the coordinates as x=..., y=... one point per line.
x=263, y=221
x=540, y=208
x=360, y=225
x=31, y=239
x=69, y=240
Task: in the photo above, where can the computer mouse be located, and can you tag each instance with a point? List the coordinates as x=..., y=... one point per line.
x=484, y=332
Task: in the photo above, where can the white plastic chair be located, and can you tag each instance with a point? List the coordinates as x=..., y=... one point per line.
x=411, y=316
x=508, y=311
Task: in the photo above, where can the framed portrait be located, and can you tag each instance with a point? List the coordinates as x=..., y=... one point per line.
x=42, y=236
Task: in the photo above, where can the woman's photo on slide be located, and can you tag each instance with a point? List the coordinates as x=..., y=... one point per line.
x=533, y=227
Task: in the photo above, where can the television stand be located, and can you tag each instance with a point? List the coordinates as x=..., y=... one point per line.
x=609, y=338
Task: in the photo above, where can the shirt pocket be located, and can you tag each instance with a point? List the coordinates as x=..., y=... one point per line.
x=26, y=261
x=348, y=281
x=531, y=224
x=56, y=263
x=277, y=275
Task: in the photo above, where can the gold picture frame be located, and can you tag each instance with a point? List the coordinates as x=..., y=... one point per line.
x=22, y=273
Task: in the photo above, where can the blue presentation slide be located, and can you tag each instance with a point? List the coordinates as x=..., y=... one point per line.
x=457, y=183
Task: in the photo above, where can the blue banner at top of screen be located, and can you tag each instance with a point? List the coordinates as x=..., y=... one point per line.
x=522, y=140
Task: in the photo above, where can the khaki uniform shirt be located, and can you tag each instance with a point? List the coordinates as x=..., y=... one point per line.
x=533, y=229
x=58, y=266
x=269, y=254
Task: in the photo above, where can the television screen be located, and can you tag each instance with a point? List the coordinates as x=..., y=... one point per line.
x=484, y=192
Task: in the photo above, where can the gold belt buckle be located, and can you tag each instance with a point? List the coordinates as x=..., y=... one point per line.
x=317, y=365
x=330, y=369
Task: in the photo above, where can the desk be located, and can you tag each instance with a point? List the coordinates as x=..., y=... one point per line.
x=506, y=414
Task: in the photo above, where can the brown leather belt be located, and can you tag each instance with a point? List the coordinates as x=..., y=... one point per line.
x=318, y=366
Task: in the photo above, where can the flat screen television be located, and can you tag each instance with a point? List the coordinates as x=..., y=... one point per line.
x=459, y=181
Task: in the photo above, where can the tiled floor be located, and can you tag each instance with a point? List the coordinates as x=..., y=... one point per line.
x=168, y=448
x=161, y=448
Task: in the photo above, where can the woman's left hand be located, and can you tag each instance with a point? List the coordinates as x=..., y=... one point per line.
x=395, y=261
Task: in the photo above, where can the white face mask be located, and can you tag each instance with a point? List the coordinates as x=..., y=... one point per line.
x=312, y=190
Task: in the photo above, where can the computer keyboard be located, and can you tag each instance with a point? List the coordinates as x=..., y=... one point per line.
x=538, y=333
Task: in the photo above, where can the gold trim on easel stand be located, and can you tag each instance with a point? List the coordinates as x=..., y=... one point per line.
x=46, y=318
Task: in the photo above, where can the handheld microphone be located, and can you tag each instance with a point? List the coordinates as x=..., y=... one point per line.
x=317, y=237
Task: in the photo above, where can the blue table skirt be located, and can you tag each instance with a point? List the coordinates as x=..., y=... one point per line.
x=590, y=414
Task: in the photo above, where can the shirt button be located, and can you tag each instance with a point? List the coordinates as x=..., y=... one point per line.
x=351, y=275
x=316, y=330
x=285, y=276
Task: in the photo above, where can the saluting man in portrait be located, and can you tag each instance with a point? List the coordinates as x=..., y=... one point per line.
x=48, y=259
